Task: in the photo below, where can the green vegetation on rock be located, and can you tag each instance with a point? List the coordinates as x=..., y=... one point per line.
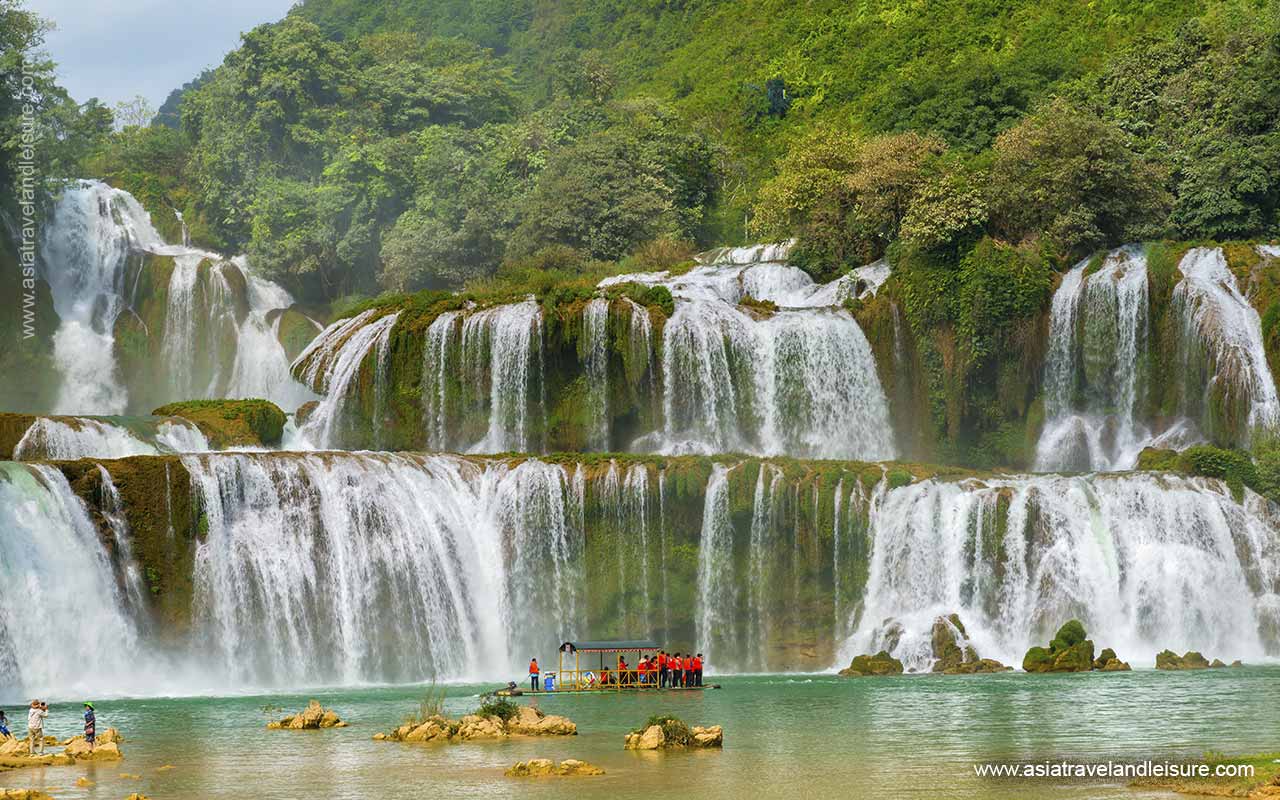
x=231, y=423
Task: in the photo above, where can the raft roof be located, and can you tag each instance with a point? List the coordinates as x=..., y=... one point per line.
x=610, y=647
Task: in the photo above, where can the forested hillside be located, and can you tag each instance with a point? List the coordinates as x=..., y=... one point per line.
x=359, y=147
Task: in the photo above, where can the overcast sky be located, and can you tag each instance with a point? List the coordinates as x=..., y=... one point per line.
x=116, y=49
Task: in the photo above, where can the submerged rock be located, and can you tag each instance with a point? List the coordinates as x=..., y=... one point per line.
x=545, y=767
x=879, y=664
x=1169, y=660
x=313, y=717
x=528, y=721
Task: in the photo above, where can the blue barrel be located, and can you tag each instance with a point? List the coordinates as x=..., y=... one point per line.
x=549, y=682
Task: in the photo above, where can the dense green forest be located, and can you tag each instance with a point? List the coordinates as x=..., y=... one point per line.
x=355, y=147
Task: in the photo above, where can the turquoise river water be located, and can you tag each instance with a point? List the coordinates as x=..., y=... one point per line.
x=786, y=736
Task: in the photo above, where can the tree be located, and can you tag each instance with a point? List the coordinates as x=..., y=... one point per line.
x=1074, y=179
x=844, y=197
x=133, y=113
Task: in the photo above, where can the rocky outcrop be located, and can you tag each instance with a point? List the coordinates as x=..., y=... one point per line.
x=313, y=717
x=664, y=733
x=23, y=794
x=1169, y=660
x=545, y=767
x=952, y=652
x=879, y=664
x=15, y=753
x=1070, y=651
x=528, y=721
x=231, y=423
x=1108, y=662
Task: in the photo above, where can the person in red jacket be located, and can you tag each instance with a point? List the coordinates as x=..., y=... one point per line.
x=662, y=669
x=697, y=670
x=533, y=674
x=674, y=663
x=642, y=668
x=653, y=671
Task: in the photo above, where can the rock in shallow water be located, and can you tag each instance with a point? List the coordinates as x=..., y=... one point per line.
x=528, y=721
x=313, y=717
x=879, y=664
x=545, y=767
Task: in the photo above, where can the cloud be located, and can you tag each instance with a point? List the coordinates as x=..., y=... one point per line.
x=116, y=49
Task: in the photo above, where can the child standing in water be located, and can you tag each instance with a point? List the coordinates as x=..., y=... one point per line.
x=90, y=724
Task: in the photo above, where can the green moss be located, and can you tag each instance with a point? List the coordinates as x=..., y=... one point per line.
x=158, y=504
x=231, y=423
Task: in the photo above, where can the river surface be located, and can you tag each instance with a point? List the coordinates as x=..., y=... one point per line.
x=786, y=736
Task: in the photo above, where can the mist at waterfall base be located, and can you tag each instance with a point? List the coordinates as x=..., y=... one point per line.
x=357, y=569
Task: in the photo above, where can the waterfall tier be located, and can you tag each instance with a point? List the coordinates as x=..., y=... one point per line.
x=144, y=323
x=253, y=570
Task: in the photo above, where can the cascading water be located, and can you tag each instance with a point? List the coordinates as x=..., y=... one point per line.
x=1146, y=562
x=1227, y=381
x=332, y=366
x=595, y=321
x=86, y=246
x=1094, y=373
x=92, y=235
x=802, y=383
x=65, y=628
x=89, y=437
x=435, y=568
x=504, y=345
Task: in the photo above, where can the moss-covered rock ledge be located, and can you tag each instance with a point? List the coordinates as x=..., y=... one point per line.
x=231, y=423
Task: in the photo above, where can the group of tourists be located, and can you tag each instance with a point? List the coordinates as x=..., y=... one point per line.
x=659, y=671
x=36, y=716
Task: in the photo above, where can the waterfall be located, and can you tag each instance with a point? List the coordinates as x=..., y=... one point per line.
x=439, y=364
x=65, y=630
x=92, y=437
x=437, y=567
x=93, y=235
x=331, y=365
x=1227, y=382
x=1097, y=382
x=763, y=524
x=595, y=320
x=1094, y=372
x=85, y=250
x=1146, y=562
x=500, y=346
x=800, y=383
x=717, y=584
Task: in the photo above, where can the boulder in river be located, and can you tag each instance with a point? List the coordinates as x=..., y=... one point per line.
x=663, y=733
x=879, y=664
x=527, y=721
x=1070, y=651
x=1169, y=660
x=952, y=652
x=313, y=717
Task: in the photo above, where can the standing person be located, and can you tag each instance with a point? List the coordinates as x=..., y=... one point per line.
x=90, y=724
x=4, y=725
x=687, y=670
x=674, y=661
x=697, y=670
x=662, y=669
x=533, y=674
x=35, y=726
x=642, y=667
